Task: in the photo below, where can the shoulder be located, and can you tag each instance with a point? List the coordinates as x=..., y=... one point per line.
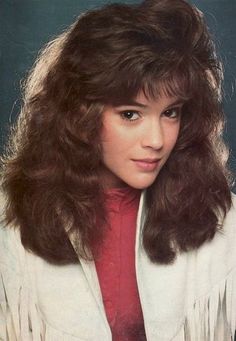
x=12, y=252
x=225, y=238
x=231, y=215
x=229, y=223
x=216, y=260
x=232, y=211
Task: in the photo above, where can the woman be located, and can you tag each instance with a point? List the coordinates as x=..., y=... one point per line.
x=118, y=221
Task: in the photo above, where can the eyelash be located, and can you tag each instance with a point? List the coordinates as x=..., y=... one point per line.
x=123, y=113
x=168, y=113
x=176, y=110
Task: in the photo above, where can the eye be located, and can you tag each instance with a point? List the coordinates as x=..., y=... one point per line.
x=130, y=115
x=173, y=112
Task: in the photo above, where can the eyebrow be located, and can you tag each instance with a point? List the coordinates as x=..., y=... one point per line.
x=141, y=105
x=133, y=103
x=176, y=102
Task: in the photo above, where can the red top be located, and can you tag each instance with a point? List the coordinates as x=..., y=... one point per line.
x=116, y=266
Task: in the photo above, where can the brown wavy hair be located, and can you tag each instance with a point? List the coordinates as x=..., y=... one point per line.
x=50, y=171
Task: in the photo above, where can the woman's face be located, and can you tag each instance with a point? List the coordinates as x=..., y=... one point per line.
x=137, y=139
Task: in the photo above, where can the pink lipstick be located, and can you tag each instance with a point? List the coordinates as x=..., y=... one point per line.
x=147, y=164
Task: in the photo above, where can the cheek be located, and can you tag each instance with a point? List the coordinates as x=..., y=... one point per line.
x=114, y=149
x=116, y=140
x=110, y=132
x=112, y=144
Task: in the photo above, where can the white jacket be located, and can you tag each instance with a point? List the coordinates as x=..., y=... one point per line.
x=193, y=299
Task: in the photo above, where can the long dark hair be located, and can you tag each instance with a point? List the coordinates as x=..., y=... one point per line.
x=50, y=171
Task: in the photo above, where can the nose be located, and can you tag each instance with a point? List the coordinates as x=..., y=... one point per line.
x=153, y=136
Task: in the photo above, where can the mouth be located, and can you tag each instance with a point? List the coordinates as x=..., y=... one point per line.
x=147, y=164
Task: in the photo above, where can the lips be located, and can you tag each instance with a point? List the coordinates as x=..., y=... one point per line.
x=148, y=160
x=147, y=164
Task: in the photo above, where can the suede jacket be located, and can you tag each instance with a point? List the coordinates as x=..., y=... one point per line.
x=193, y=299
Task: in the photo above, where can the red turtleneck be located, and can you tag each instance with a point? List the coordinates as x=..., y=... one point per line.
x=116, y=266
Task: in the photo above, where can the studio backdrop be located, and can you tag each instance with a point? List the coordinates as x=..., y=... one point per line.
x=26, y=25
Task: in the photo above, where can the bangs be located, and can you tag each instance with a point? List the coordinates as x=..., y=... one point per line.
x=179, y=83
x=168, y=87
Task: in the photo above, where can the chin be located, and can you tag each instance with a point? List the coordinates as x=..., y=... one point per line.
x=142, y=187
x=144, y=182
x=140, y=184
